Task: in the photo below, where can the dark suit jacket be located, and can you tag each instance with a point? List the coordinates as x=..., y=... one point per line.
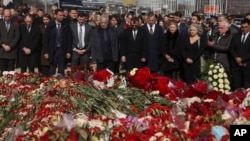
x=50, y=39
x=154, y=47
x=237, y=49
x=132, y=49
x=87, y=36
x=97, y=45
x=29, y=40
x=221, y=48
x=10, y=38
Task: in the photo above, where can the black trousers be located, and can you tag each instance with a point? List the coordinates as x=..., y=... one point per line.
x=58, y=62
x=109, y=64
x=7, y=65
x=240, y=78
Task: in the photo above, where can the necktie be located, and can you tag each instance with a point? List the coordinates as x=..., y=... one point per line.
x=28, y=28
x=151, y=30
x=80, y=37
x=58, y=35
x=7, y=26
x=105, y=35
x=134, y=34
x=243, y=38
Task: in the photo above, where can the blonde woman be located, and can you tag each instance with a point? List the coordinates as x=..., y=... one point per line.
x=192, y=49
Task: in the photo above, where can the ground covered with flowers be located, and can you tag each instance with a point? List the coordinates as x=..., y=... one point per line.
x=102, y=106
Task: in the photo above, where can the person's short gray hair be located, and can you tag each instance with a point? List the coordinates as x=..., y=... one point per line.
x=225, y=23
x=198, y=27
x=104, y=17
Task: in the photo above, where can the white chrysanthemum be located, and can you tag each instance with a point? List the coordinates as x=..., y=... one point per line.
x=215, y=76
x=225, y=75
x=214, y=84
x=220, y=81
x=210, y=72
x=221, y=86
x=217, y=67
x=215, y=71
x=210, y=79
x=211, y=66
x=216, y=89
x=221, y=70
x=222, y=90
x=226, y=81
x=227, y=92
x=220, y=75
x=227, y=86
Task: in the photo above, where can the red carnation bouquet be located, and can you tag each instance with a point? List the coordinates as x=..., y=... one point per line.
x=140, y=78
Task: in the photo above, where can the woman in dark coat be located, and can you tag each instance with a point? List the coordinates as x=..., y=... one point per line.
x=192, y=49
x=171, y=50
x=44, y=63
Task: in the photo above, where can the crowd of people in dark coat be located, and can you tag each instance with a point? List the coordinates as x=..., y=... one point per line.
x=170, y=45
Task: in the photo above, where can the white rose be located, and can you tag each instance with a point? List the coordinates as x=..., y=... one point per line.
x=225, y=75
x=221, y=70
x=220, y=75
x=215, y=71
x=221, y=86
x=215, y=76
x=216, y=89
x=210, y=72
x=214, y=84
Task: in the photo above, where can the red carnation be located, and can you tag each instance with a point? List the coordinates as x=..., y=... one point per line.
x=102, y=75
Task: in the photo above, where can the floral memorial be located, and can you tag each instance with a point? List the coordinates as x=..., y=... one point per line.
x=102, y=106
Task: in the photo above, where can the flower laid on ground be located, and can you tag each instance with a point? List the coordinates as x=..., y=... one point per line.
x=157, y=108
